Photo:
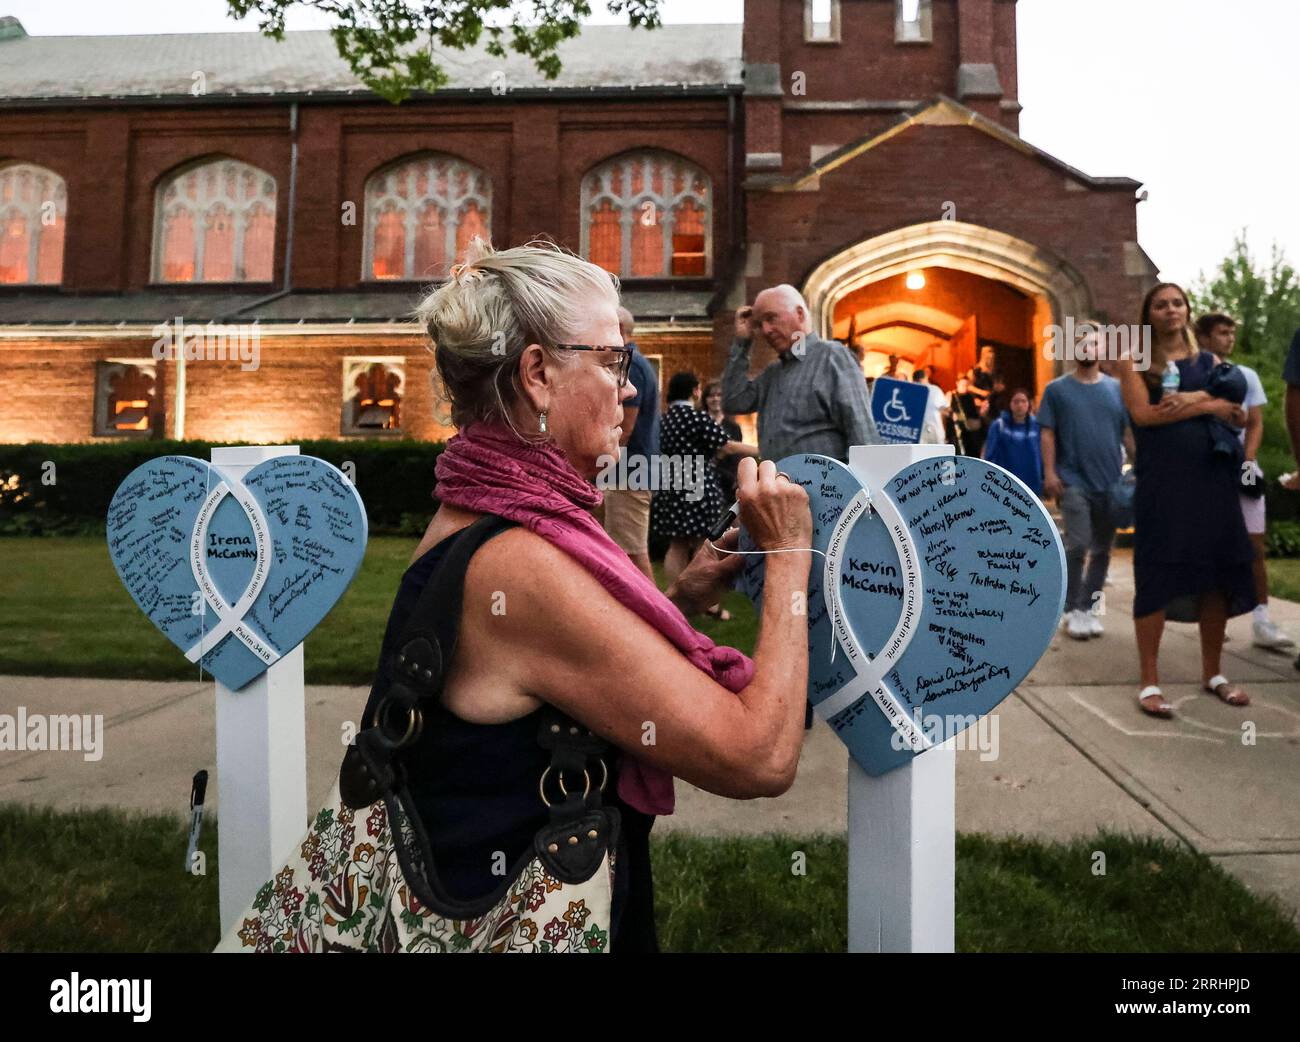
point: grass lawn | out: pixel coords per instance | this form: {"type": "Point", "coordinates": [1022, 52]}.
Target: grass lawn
{"type": "Point", "coordinates": [1284, 578]}
{"type": "Point", "coordinates": [104, 881]}
{"type": "Point", "coordinates": [50, 587]}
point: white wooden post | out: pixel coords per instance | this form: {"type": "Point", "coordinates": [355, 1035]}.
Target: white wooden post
{"type": "Point", "coordinates": [902, 825]}
{"type": "Point", "coordinates": [261, 753]}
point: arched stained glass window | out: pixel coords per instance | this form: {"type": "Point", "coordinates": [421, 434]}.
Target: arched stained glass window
{"type": "Point", "coordinates": [648, 215]}
{"type": "Point", "coordinates": [33, 218]}
{"type": "Point", "coordinates": [215, 222]}
{"type": "Point", "coordinates": [421, 214]}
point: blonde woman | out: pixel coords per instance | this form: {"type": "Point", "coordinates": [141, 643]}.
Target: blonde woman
{"type": "Point", "coordinates": [1191, 557]}
{"type": "Point", "coordinates": [982, 378]}
{"type": "Point", "coordinates": [529, 352]}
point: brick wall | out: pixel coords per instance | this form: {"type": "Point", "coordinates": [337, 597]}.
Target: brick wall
{"type": "Point", "coordinates": [535, 153]}
{"type": "Point", "coordinates": [692, 350]}
{"type": "Point", "coordinates": [113, 161]}
{"type": "Point", "coordinates": [295, 392]}
{"type": "Point", "coordinates": [908, 179]}
{"type": "Point", "coordinates": [868, 64]}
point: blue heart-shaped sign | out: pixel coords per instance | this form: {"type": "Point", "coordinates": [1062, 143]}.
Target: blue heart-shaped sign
{"type": "Point", "coordinates": [236, 573]}
{"type": "Point", "coordinates": [935, 597]}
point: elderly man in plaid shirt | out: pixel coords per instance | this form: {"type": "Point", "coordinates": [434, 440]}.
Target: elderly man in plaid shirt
{"type": "Point", "coordinates": [812, 398]}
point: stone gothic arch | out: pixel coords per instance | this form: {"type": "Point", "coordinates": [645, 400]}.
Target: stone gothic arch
{"type": "Point", "coordinates": [949, 244]}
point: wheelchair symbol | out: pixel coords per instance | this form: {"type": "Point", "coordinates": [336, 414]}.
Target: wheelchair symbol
{"type": "Point", "coordinates": [894, 411]}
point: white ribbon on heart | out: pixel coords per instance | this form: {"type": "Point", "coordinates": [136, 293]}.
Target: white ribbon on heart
{"type": "Point", "coordinates": [869, 674]}
{"type": "Point", "coordinates": [230, 617]}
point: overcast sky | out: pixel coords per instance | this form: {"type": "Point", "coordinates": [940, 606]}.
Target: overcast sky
{"type": "Point", "coordinates": [1195, 98]}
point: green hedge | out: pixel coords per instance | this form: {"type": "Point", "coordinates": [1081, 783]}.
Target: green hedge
{"type": "Point", "coordinates": [1283, 505]}
{"type": "Point", "coordinates": [1283, 520]}
{"type": "Point", "coordinates": [1283, 539]}
{"type": "Point", "coordinates": [395, 479]}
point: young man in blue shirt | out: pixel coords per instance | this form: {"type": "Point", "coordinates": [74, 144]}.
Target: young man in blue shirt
{"type": "Point", "coordinates": [1085, 430]}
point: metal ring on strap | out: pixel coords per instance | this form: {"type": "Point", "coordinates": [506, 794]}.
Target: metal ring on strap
{"type": "Point", "coordinates": [541, 783]}
{"type": "Point", "coordinates": [586, 780]}
{"type": "Point", "coordinates": [414, 722]}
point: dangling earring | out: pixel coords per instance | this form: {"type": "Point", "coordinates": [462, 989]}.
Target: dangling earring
{"type": "Point", "coordinates": [541, 421]}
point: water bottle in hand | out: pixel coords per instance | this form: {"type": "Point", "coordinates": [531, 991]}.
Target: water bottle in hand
{"type": "Point", "coordinates": [1170, 380]}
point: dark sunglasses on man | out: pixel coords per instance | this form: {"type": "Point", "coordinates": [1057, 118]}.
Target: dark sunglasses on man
{"type": "Point", "coordinates": [624, 362]}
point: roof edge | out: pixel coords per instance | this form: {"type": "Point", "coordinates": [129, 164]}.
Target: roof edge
{"type": "Point", "coordinates": [363, 96]}
{"type": "Point", "coordinates": [939, 103]}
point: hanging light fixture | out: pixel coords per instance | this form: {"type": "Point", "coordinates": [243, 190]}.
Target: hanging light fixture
{"type": "Point", "coordinates": [916, 280]}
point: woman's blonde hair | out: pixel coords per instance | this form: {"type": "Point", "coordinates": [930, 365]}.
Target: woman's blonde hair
{"type": "Point", "coordinates": [492, 306]}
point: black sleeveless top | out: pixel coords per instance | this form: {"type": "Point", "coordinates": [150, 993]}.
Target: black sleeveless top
{"type": "Point", "coordinates": [475, 787]}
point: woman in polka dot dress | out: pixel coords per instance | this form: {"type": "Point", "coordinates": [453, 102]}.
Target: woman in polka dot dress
{"type": "Point", "coordinates": [685, 512]}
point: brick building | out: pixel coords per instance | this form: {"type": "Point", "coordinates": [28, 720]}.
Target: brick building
{"type": "Point", "coordinates": [864, 150]}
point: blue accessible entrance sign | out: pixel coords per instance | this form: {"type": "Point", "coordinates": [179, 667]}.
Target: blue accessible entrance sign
{"type": "Point", "coordinates": [898, 407]}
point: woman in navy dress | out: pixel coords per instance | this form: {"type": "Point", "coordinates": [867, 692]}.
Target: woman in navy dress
{"type": "Point", "coordinates": [1191, 556]}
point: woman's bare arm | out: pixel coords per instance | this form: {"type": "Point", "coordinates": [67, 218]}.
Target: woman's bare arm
{"type": "Point", "coordinates": [737, 448]}
{"type": "Point", "coordinates": [1254, 431]}
{"type": "Point", "coordinates": [1202, 403]}
{"type": "Point", "coordinates": [545, 628]}
{"type": "Point", "coordinates": [1172, 408]}
{"type": "Point", "coordinates": [1051, 482]}
{"type": "Point", "coordinates": [566, 640]}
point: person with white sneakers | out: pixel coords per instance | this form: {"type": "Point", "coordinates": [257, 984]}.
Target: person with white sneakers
{"type": "Point", "coordinates": [1217, 334]}
{"type": "Point", "coordinates": [1085, 430]}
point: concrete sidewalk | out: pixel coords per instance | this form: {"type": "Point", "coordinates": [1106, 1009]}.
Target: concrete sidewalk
{"type": "Point", "coordinates": [1073, 753]}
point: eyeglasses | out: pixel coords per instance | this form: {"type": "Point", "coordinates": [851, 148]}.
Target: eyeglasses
{"type": "Point", "coordinates": [624, 362]}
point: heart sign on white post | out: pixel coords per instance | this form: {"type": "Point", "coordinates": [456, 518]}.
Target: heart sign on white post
{"type": "Point", "coordinates": [937, 594]}
{"type": "Point", "coordinates": [234, 572]}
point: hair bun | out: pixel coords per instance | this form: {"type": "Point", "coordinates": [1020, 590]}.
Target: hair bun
{"type": "Point", "coordinates": [466, 271]}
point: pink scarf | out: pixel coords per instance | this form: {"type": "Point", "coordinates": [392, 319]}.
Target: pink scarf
{"type": "Point", "coordinates": [486, 468]}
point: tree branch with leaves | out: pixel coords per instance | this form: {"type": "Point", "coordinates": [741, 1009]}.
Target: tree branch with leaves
{"type": "Point", "coordinates": [1263, 300]}
{"type": "Point", "coordinates": [392, 45]}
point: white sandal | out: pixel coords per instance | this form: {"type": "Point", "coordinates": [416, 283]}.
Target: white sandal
{"type": "Point", "coordinates": [1215, 682]}
{"type": "Point", "coordinates": [1164, 710]}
